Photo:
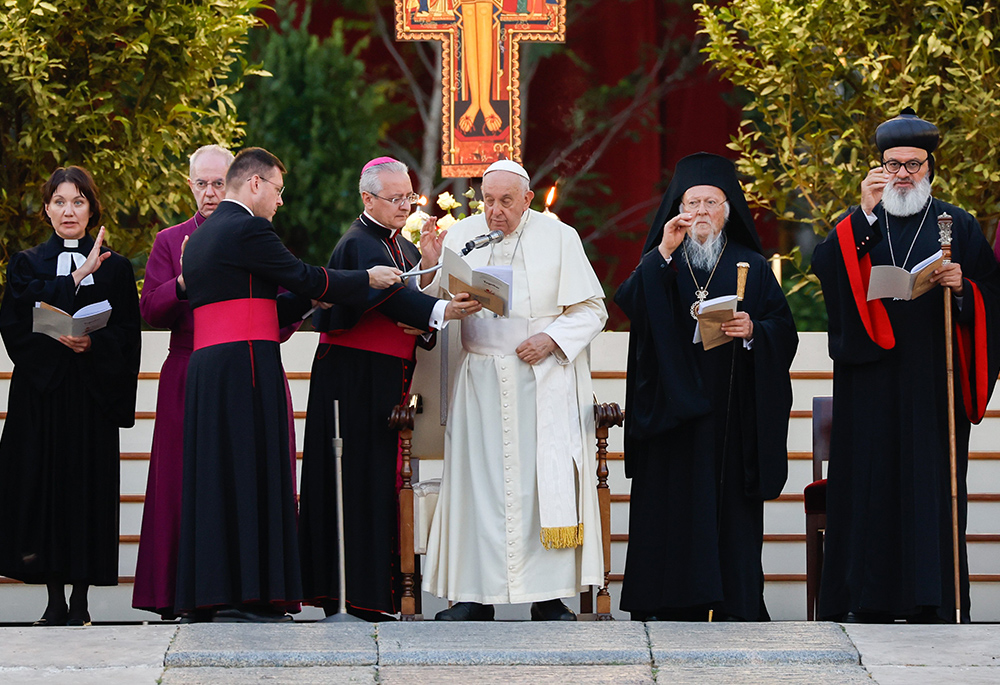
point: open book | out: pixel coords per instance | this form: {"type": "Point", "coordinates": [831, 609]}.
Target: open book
{"type": "Point", "coordinates": [54, 322]}
{"type": "Point", "coordinates": [711, 315]}
{"type": "Point", "coordinates": [491, 285]}
{"type": "Point", "coordinates": [892, 281]}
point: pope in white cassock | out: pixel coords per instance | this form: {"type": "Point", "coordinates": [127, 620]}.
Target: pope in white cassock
{"type": "Point", "coordinates": [517, 519]}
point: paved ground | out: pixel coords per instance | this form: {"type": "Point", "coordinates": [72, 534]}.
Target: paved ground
{"type": "Point", "coordinates": [503, 652]}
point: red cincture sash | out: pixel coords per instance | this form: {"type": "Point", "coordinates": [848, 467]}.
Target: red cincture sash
{"type": "Point", "coordinates": [375, 332]}
{"type": "Point", "coordinates": [973, 365]}
{"type": "Point", "coordinates": [234, 321]}
{"type": "Point", "coordinates": [873, 314]}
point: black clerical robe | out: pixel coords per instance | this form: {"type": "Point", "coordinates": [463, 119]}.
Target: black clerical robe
{"type": "Point", "coordinates": [699, 479]}
{"type": "Point", "coordinates": [889, 532]}
{"type": "Point", "coordinates": [238, 539]}
{"type": "Point", "coordinates": [365, 361]}
{"type": "Point", "coordinates": [59, 450]}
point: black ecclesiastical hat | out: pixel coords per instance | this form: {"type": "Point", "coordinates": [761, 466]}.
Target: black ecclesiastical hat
{"type": "Point", "coordinates": [704, 169]}
{"type": "Point", "coordinates": [907, 130]}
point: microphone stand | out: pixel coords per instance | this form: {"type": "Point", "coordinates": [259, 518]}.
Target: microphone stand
{"type": "Point", "coordinates": [338, 452]}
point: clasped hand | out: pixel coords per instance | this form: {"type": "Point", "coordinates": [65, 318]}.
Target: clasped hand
{"type": "Point", "coordinates": [949, 276]}
{"type": "Point", "coordinates": [740, 326]}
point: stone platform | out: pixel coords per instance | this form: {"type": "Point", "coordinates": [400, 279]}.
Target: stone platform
{"type": "Point", "coordinates": [617, 652]}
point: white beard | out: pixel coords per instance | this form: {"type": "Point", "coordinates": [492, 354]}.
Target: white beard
{"type": "Point", "coordinates": [906, 203]}
{"type": "Point", "coordinates": [703, 256]}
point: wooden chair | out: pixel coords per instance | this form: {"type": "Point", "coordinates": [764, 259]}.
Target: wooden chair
{"type": "Point", "coordinates": [815, 502]}
{"type": "Point", "coordinates": [403, 418]}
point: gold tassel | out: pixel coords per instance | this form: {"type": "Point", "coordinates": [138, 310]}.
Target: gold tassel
{"type": "Point", "coordinates": [562, 537]}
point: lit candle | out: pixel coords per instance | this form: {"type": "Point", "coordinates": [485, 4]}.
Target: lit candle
{"type": "Point", "coordinates": [549, 199]}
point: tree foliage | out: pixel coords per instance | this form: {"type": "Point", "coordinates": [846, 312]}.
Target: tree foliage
{"type": "Point", "coordinates": [822, 74]}
{"type": "Point", "coordinates": [317, 114]}
{"type": "Point", "coordinates": [125, 88]}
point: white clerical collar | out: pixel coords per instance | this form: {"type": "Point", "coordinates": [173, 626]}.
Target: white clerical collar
{"type": "Point", "coordinates": [392, 231]}
{"type": "Point", "coordinates": [70, 243]}
{"type": "Point", "coordinates": [229, 199]}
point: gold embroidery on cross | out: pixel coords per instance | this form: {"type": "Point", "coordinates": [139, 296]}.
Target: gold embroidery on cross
{"type": "Point", "coordinates": [480, 46]}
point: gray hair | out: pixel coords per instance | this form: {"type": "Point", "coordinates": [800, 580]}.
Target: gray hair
{"type": "Point", "coordinates": [218, 149]}
{"type": "Point", "coordinates": [371, 182]}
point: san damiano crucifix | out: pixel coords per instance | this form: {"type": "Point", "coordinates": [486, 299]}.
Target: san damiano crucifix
{"type": "Point", "coordinates": [480, 41]}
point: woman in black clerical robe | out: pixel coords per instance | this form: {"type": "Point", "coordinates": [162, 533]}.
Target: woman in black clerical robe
{"type": "Point", "coordinates": [68, 397]}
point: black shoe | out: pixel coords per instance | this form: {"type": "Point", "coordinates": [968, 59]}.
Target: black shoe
{"type": "Point", "coordinates": [247, 615]}
{"type": "Point", "coordinates": [467, 611]}
{"type": "Point", "coordinates": [78, 618]}
{"type": "Point", "coordinates": [197, 616]}
{"type": "Point", "coordinates": [867, 617]}
{"type": "Point", "coordinates": [551, 610]}
{"type": "Point", "coordinates": [52, 617]}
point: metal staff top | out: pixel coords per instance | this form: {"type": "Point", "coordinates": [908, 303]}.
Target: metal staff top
{"type": "Point", "coordinates": [944, 235]}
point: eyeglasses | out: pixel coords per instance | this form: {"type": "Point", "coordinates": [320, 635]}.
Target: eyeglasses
{"type": "Point", "coordinates": [710, 204]}
{"type": "Point", "coordinates": [281, 189]}
{"type": "Point", "coordinates": [218, 184]}
{"type": "Point", "coordinates": [912, 166]}
{"type": "Point", "coordinates": [412, 198]}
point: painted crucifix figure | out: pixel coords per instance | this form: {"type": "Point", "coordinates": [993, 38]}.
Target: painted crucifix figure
{"type": "Point", "coordinates": [480, 40]}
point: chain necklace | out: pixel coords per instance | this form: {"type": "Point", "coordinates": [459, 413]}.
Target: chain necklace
{"type": "Point", "coordinates": [701, 293]}
{"type": "Point", "coordinates": [888, 237]}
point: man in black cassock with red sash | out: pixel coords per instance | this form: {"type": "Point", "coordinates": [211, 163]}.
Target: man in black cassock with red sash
{"type": "Point", "coordinates": [705, 430]}
{"type": "Point", "coordinates": [889, 529]}
{"type": "Point", "coordinates": [365, 359]}
{"type": "Point", "coordinates": [238, 558]}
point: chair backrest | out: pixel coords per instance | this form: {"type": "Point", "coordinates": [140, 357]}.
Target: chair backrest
{"type": "Point", "coordinates": [822, 423]}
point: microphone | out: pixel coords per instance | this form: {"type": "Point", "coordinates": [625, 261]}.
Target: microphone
{"type": "Point", "coordinates": [482, 241]}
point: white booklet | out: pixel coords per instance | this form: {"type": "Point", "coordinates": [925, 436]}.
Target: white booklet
{"type": "Point", "coordinates": [711, 315]}
{"type": "Point", "coordinates": [54, 322]}
{"type": "Point", "coordinates": [900, 284]}
{"type": "Point", "coordinates": [491, 285]}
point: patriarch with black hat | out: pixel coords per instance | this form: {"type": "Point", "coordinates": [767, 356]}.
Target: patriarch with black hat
{"type": "Point", "coordinates": [705, 428]}
{"type": "Point", "coordinates": [889, 524]}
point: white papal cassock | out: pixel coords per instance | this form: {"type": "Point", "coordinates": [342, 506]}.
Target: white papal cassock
{"type": "Point", "coordinates": [484, 543]}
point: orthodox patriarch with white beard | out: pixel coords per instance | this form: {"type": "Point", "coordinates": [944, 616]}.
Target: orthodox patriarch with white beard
{"type": "Point", "coordinates": [889, 530]}
{"type": "Point", "coordinates": [705, 429]}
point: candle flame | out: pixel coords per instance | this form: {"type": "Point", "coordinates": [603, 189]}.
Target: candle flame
{"type": "Point", "coordinates": [422, 201]}
{"type": "Point", "coordinates": [551, 197]}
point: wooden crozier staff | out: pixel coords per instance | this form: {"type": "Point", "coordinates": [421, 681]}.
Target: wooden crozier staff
{"type": "Point", "coordinates": [944, 237]}
{"type": "Point", "coordinates": [742, 269]}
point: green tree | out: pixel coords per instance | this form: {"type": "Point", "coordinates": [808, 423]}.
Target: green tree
{"type": "Point", "coordinates": [317, 114]}
{"type": "Point", "coordinates": [820, 75]}
{"type": "Point", "coordinates": [126, 90]}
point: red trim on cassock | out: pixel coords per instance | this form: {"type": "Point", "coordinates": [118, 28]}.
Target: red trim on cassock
{"type": "Point", "coordinates": [972, 352]}
{"type": "Point", "coordinates": [252, 318]}
{"type": "Point", "coordinates": [375, 332]}
{"type": "Point", "coordinates": [873, 314]}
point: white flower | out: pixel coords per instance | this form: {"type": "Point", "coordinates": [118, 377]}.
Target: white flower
{"type": "Point", "coordinates": [445, 222]}
{"type": "Point", "coordinates": [447, 202]}
{"type": "Point", "coordinates": [414, 222]}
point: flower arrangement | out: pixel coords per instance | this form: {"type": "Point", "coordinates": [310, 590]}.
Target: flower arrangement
{"type": "Point", "coordinates": [447, 202]}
